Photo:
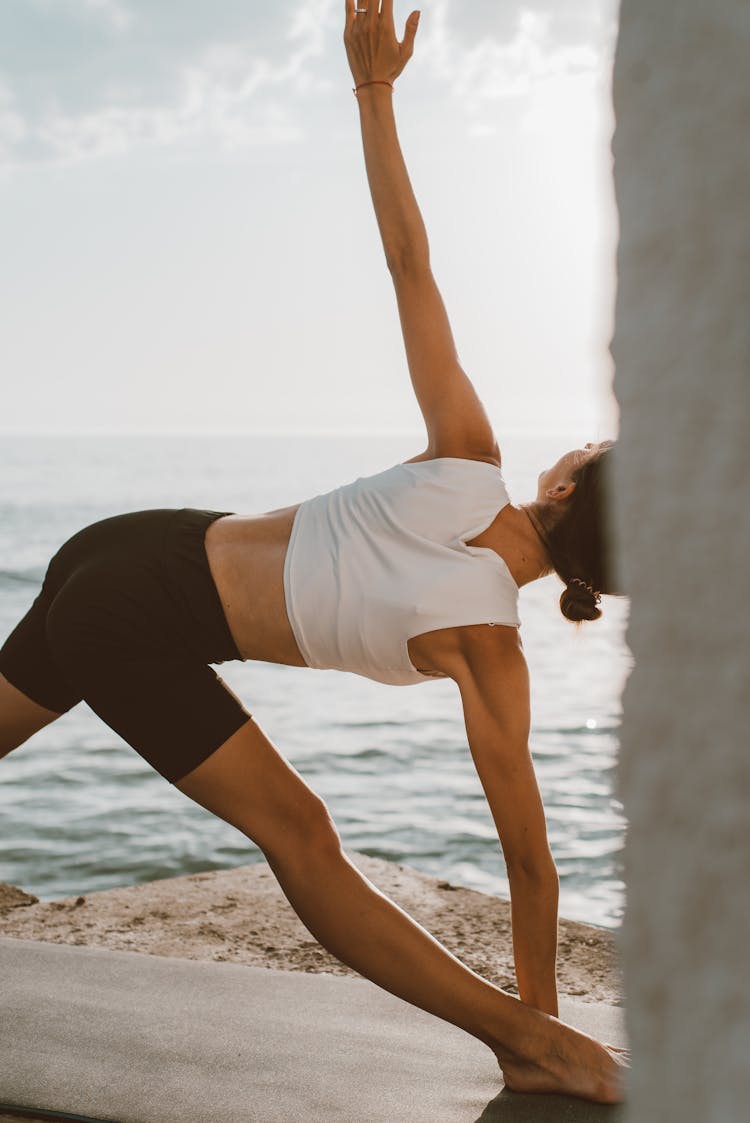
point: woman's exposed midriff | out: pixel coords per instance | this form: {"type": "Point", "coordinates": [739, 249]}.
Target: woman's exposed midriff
{"type": "Point", "coordinates": [246, 555]}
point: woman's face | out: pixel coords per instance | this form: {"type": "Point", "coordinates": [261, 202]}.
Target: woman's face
{"type": "Point", "coordinates": [557, 482]}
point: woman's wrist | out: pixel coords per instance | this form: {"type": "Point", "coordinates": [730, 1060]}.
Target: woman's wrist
{"type": "Point", "coordinates": [373, 84]}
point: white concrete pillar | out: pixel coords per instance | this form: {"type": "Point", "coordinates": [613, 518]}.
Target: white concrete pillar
{"type": "Point", "coordinates": [682, 517]}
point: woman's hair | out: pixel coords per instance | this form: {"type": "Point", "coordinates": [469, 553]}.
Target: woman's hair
{"type": "Point", "coordinates": [580, 541]}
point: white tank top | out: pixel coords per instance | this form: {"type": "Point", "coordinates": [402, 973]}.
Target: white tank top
{"type": "Point", "coordinates": [377, 561]}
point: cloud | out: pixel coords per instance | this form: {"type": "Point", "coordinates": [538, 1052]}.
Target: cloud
{"type": "Point", "coordinates": [119, 16]}
{"type": "Point", "coordinates": [12, 124]}
{"type": "Point", "coordinates": [83, 79]}
{"type": "Point", "coordinates": [515, 51]}
{"type": "Point", "coordinates": [569, 22]}
{"type": "Point", "coordinates": [90, 78]}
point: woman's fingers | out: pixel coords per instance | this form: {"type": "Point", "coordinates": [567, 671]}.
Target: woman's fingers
{"type": "Point", "coordinates": [410, 33]}
{"type": "Point", "coordinates": [351, 13]}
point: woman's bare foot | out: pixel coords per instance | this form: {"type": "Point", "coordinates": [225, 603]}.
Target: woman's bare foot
{"type": "Point", "coordinates": [568, 1062]}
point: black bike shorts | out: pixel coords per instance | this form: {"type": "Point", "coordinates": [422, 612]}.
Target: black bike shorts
{"type": "Point", "coordinates": [127, 620]}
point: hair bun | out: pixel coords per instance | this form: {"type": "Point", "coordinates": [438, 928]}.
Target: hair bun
{"type": "Point", "coordinates": [579, 600]}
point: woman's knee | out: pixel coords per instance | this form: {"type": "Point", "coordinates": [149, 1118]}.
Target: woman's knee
{"type": "Point", "coordinates": [248, 783]}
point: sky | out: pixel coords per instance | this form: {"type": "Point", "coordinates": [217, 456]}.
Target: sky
{"type": "Point", "coordinates": [188, 239]}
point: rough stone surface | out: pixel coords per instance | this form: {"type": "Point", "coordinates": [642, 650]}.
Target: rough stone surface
{"type": "Point", "coordinates": [682, 354]}
{"type": "Point", "coordinates": [11, 897]}
{"type": "Point", "coordinates": [241, 916]}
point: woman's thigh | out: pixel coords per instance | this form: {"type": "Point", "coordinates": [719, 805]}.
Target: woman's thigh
{"type": "Point", "coordinates": [129, 620]}
{"type": "Point", "coordinates": [37, 683]}
{"type": "Point", "coordinates": [20, 716]}
{"type": "Point", "coordinates": [118, 647]}
{"type": "Point", "coordinates": [248, 783]}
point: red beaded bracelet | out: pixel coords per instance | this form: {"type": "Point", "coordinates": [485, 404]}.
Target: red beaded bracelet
{"type": "Point", "coordinates": [375, 82]}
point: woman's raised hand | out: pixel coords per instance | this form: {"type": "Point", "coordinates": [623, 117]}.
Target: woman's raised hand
{"type": "Point", "coordinates": [372, 48]}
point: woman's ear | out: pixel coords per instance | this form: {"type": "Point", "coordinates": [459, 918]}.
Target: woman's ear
{"type": "Point", "coordinates": [561, 490]}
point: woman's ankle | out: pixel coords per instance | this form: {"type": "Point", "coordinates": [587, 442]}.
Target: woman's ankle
{"type": "Point", "coordinates": [521, 1034]}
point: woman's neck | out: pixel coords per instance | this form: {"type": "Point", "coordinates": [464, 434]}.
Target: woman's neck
{"type": "Point", "coordinates": [515, 537]}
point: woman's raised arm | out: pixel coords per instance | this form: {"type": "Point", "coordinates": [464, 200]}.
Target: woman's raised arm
{"type": "Point", "coordinates": [375, 55]}
{"type": "Point", "coordinates": [455, 418]}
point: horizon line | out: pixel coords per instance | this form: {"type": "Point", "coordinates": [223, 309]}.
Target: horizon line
{"type": "Point", "coordinates": [524, 432]}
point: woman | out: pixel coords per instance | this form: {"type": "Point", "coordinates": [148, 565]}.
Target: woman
{"type": "Point", "coordinates": [403, 576]}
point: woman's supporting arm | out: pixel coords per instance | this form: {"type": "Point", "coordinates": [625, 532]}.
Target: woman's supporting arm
{"type": "Point", "coordinates": [493, 680]}
{"type": "Point", "coordinates": [533, 910]}
{"type": "Point", "coordinates": [401, 225]}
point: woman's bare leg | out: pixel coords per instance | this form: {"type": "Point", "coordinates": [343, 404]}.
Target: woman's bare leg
{"type": "Point", "coordinates": [249, 784]}
{"type": "Point", "coordinates": [20, 717]}
{"type": "Point", "coordinates": [363, 928]}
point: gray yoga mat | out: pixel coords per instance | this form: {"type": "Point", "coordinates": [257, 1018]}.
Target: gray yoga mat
{"type": "Point", "coordinates": [139, 1038]}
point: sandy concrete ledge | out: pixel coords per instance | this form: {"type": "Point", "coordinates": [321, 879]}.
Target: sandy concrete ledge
{"type": "Point", "coordinates": [241, 916]}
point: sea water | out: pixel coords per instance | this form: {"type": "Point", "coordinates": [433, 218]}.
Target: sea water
{"type": "Point", "coordinates": [81, 811]}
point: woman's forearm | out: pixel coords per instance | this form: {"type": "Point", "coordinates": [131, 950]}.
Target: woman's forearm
{"type": "Point", "coordinates": [534, 924]}
{"type": "Point", "coordinates": [401, 226]}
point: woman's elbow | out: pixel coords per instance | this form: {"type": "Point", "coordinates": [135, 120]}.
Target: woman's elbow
{"type": "Point", "coordinates": [537, 872]}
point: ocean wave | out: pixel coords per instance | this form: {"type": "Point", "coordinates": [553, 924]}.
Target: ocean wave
{"type": "Point", "coordinates": [24, 577]}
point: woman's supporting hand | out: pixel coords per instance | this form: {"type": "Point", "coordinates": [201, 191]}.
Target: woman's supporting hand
{"type": "Point", "coordinates": [372, 48]}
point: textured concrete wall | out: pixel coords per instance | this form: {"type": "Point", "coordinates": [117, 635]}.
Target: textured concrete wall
{"type": "Point", "coordinates": [682, 517]}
